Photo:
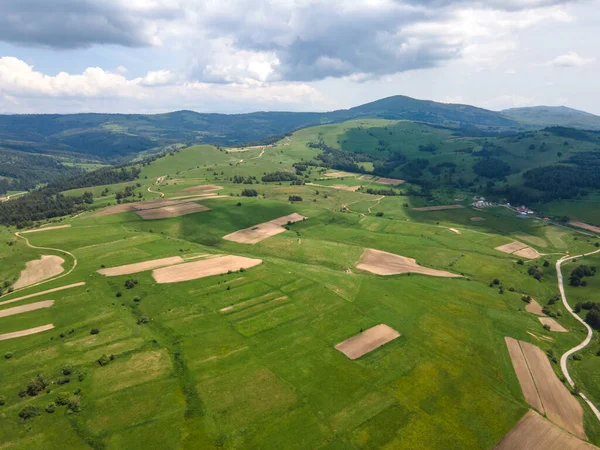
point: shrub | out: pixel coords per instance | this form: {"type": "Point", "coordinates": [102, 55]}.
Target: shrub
{"type": "Point", "coordinates": [67, 370]}
{"type": "Point", "coordinates": [103, 360]}
{"type": "Point", "coordinates": [8, 355]}
{"type": "Point", "coordinates": [119, 294]}
{"type": "Point", "coordinates": [37, 385]}
{"type": "Point", "coordinates": [143, 319]}
{"type": "Point", "coordinates": [28, 412]}
{"type": "Point", "coordinates": [526, 298]}
{"type": "Point", "coordinates": [520, 262]}
{"type": "Point", "coordinates": [3, 400]}
{"type": "Point", "coordinates": [496, 281]}
{"type": "Point", "coordinates": [295, 198]}
{"type": "Point", "coordinates": [130, 284]}
{"type": "Point", "coordinates": [379, 214]}
{"type": "Point", "coordinates": [249, 193]}
{"type": "Point", "coordinates": [63, 380]}
{"type": "Point", "coordinates": [62, 398]}
{"type": "Point", "coordinates": [137, 299]}
{"type": "Point", "coordinates": [74, 403]}
{"type": "Point", "coordinates": [577, 357]}
{"type": "Point", "coordinates": [238, 204]}
{"type": "Point", "coordinates": [94, 331]}
{"type": "Point", "coordinates": [547, 327]}
{"type": "Point", "coordinates": [50, 408]}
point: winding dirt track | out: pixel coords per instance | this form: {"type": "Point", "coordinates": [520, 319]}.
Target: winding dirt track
{"type": "Point", "coordinates": [158, 181]}
{"type": "Point", "coordinates": [564, 358]}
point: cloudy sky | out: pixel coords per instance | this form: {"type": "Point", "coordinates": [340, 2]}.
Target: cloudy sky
{"type": "Point", "coordinates": [302, 55]}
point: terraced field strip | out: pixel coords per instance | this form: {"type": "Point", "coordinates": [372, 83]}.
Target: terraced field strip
{"type": "Point", "coordinates": [203, 268]}
{"type": "Point", "coordinates": [17, 334]}
{"type": "Point", "coordinates": [530, 392]}
{"type": "Point", "coordinates": [553, 324]}
{"type": "Point", "coordinates": [128, 269]}
{"type": "Point", "coordinates": [585, 226]}
{"type": "Point", "coordinates": [384, 263]}
{"type": "Point", "coordinates": [367, 341]}
{"type": "Point", "coordinates": [390, 181]}
{"type": "Point", "coordinates": [519, 249]}
{"type": "Point", "coordinates": [37, 294]}
{"type": "Point", "coordinates": [26, 308]}
{"type": "Point", "coordinates": [58, 227]}
{"type": "Point", "coordinates": [172, 211]}
{"type": "Point", "coordinates": [533, 432]}
{"type": "Point", "coordinates": [262, 231]}
{"type": "Point", "coordinates": [534, 307]}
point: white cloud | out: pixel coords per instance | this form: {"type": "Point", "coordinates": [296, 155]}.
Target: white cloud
{"type": "Point", "coordinates": [570, 59]}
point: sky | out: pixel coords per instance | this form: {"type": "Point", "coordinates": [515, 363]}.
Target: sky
{"type": "Point", "coordinates": [235, 56]}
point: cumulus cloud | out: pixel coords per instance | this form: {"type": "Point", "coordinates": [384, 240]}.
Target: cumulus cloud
{"type": "Point", "coordinates": [80, 23]}
{"type": "Point", "coordinates": [570, 59]}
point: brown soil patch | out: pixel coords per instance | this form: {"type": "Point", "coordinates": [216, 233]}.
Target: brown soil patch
{"type": "Point", "coordinates": [198, 196]}
{"type": "Point", "coordinates": [58, 227]}
{"type": "Point", "coordinates": [26, 308]}
{"type": "Point", "coordinates": [49, 291]}
{"type": "Point", "coordinates": [139, 206]}
{"type": "Point", "coordinates": [533, 432]}
{"type": "Point", "coordinates": [454, 230]}
{"type": "Point", "coordinates": [140, 267]}
{"type": "Point", "coordinates": [262, 231]}
{"type": "Point", "coordinates": [339, 174]}
{"type": "Point", "coordinates": [384, 263]}
{"type": "Point", "coordinates": [553, 324]}
{"type": "Point", "coordinates": [203, 188]}
{"type": "Point", "coordinates": [16, 334]}
{"type": "Point", "coordinates": [512, 247]}
{"type": "Point", "coordinates": [392, 181]}
{"type": "Point", "coordinates": [166, 212]}
{"type": "Point", "coordinates": [559, 405]}
{"type": "Point", "coordinates": [528, 252]}
{"type": "Point", "coordinates": [341, 187]}
{"type": "Point", "coordinates": [367, 341]}
{"type": "Point", "coordinates": [585, 226]}
{"type": "Point", "coordinates": [203, 268]}
{"type": "Point", "coordinates": [40, 269]}
{"type": "Point", "coordinates": [477, 219]}
{"type": "Point", "coordinates": [438, 208]}
{"type": "Point", "coordinates": [523, 375]}
{"type": "Point", "coordinates": [534, 307]}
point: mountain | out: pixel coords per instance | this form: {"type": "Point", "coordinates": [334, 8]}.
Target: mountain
{"type": "Point", "coordinates": [544, 116]}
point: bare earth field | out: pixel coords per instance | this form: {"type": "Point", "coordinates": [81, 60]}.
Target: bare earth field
{"type": "Point", "coordinates": [367, 341]}
{"type": "Point", "coordinates": [533, 432]}
{"type": "Point", "coordinates": [172, 211]}
{"type": "Point", "coordinates": [438, 208]}
{"type": "Point", "coordinates": [262, 231]}
{"type": "Point", "coordinates": [140, 267]}
{"type": "Point", "coordinates": [477, 219]}
{"type": "Point", "coordinates": [39, 270]}
{"type": "Point", "coordinates": [37, 294]}
{"type": "Point", "coordinates": [534, 307]}
{"type": "Point", "coordinates": [203, 268]}
{"type": "Point", "coordinates": [58, 227]}
{"type": "Point", "coordinates": [523, 375]}
{"type": "Point", "coordinates": [198, 196]}
{"type": "Point", "coordinates": [16, 334]}
{"type": "Point", "coordinates": [585, 226]}
{"type": "Point", "coordinates": [339, 174]}
{"type": "Point", "coordinates": [519, 249]}
{"type": "Point", "coordinates": [553, 324]}
{"type": "Point", "coordinates": [337, 186]}
{"type": "Point", "coordinates": [384, 263]}
{"type": "Point", "coordinates": [391, 181]}
{"type": "Point", "coordinates": [454, 230]}
{"type": "Point", "coordinates": [557, 402]}
{"type": "Point", "coordinates": [139, 206]}
{"type": "Point", "coordinates": [26, 308]}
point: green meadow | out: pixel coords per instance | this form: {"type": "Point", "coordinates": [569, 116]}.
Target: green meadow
{"type": "Point", "coordinates": [246, 359]}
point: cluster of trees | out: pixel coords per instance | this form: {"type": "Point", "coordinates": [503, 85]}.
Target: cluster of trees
{"type": "Point", "coordinates": [536, 272]}
{"type": "Point", "coordinates": [295, 198]}
{"type": "Point", "coordinates": [279, 176]}
{"type": "Point", "coordinates": [431, 148]}
{"type": "Point", "coordinates": [593, 315]}
{"type": "Point", "coordinates": [238, 179]}
{"type": "Point", "coordinates": [98, 177]}
{"type": "Point", "coordinates": [490, 167]}
{"type": "Point", "coordinates": [249, 193]}
{"type": "Point", "coordinates": [126, 193]}
{"type": "Point", "coordinates": [388, 192]}
{"type": "Point", "coordinates": [575, 279]}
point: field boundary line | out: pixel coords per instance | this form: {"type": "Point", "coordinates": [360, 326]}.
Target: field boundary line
{"type": "Point", "coordinates": [564, 358]}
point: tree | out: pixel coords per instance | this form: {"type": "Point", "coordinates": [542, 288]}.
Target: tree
{"type": "Point", "coordinates": [249, 193]}
{"type": "Point", "coordinates": [295, 198]}
{"type": "Point", "coordinates": [593, 318]}
{"type": "Point", "coordinates": [37, 385]}
{"type": "Point", "coordinates": [28, 412]}
{"type": "Point", "coordinates": [94, 331]}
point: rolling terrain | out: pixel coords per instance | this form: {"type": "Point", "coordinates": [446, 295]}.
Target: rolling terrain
{"type": "Point", "coordinates": [248, 358]}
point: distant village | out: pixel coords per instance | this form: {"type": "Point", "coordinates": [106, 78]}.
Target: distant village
{"type": "Point", "coordinates": [480, 202]}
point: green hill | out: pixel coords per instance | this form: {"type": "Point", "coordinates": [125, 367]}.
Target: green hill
{"type": "Point", "coordinates": [547, 116]}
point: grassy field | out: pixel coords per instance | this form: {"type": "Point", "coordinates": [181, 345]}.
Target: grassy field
{"type": "Point", "coordinates": [264, 373]}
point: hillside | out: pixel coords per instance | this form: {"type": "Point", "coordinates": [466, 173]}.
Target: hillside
{"type": "Point", "coordinates": [547, 116]}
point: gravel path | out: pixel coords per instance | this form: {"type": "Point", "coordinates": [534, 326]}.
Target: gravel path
{"type": "Point", "coordinates": [158, 181]}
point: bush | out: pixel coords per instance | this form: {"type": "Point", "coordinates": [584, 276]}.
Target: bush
{"type": "Point", "coordinates": [295, 198]}
{"type": "Point", "coordinates": [50, 408]}
{"type": "Point", "coordinates": [547, 327]}
{"type": "Point", "coordinates": [103, 360]}
{"type": "Point", "coordinates": [119, 294]}
{"type": "Point", "coordinates": [94, 331]}
{"type": "Point", "coordinates": [62, 398]}
{"type": "Point", "coordinates": [249, 193]}
{"type": "Point", "coordinates": [130, 284]}
{"type": "Point", "coordinates": [379, 214]}
{"type": "Point", "coordinates": [143, 319]}
{"type": "Point", "coordinates": [520, 262]}
{"type": "Point", "coordinates": [577, 357]}
{"type": "Point", "coordinates": [37, 385]}
{"type": "Point", "coordinates": [63, 380]}
{"type": "Point", "coordinates": [137, 299]}
{"type": "Point", "coordinates": [526, 298]}
{"type": "Point", "coordinates": [29, 412]}
{"type": "Point", "coordinates": [3, 400]}
{"type": "Point", "coordinates": [8, 355]}
{"type": "Point", "coordinates": [74, 404]}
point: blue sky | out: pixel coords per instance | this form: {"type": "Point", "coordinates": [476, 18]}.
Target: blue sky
{"type": "Point", "coordinates": [302, 55]}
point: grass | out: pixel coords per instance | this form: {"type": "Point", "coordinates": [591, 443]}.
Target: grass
{"type": "Point", "coordinates": [265, 374]}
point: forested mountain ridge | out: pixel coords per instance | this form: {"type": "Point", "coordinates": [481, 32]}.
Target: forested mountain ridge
{"type": "Point", "coordinates": [546, 116]}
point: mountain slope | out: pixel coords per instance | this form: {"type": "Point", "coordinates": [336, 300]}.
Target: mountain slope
{"type": "Point", "coordinates": [544, 116]}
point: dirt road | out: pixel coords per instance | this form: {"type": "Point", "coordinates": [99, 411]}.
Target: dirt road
{"type": "Point", "coordinates": [565, 357]}
{"type": "Point", "coordinates": [158, 181]}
